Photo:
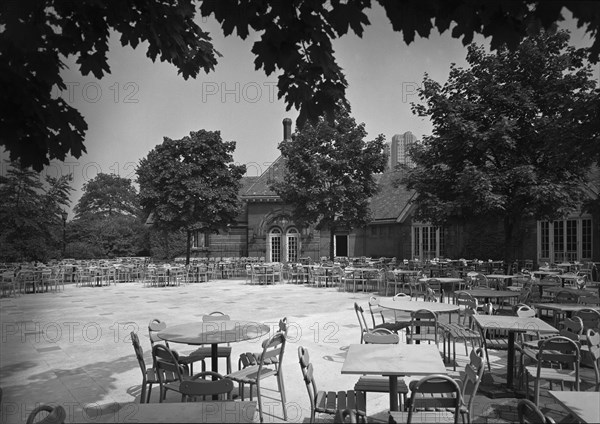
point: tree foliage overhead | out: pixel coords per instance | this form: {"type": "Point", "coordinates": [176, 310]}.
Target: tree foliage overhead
{"type": "Point", "coordinates": [511, 136]}
{"type": "Point", "coordinates": [107, 195]}
{"type": "Point", "coordinates": [329, 173]}
{"type": "Point", "coordinates": [295, 41]}
{"type": "Point", "coordinates": [30, 214]}
{"type": "Point", "coordinates": [191, 183]}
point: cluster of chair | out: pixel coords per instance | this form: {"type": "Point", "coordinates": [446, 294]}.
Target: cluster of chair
{"type": "Point", "coordinates": [22, 279]}
{"type": "Point", "coordinates": [173, 371]}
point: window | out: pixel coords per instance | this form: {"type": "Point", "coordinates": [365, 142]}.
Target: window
{"type": "Point", "coordinates": [427, 242]}
{"type": "Point", "coordinates": [292, 245]}
{"type": "Point", "coordinates": [565, 240]}
{"type": "Point", "coordinates": [274, 245]}
{"type": "Point", "coordinates": [199, 239]}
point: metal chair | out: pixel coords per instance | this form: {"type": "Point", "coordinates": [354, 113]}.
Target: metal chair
{"type": "Point", "coordinates": [328, 402]}
{"type": "Point", "coordinates": [198, 386]}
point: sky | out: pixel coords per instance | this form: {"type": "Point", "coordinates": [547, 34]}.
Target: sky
{"type": "Point", "coordinates": [130, 110]}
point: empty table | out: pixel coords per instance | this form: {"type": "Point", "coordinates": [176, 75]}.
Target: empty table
{"type": "Point", "coordinates": [584, 405]}
{"type": "Point", "coordinates": [213, 333]}
{"type": "Point", "coordinates": [512, 325]}
{"type": "Point", "coordinates": [413, 306]}
{"type": "Point", "coordinates": [393, 361]}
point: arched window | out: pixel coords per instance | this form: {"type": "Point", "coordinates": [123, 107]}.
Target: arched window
{"type": "Point", "coordinates": [274, 245]}
{"type": "Point", "coordinates": [292, 245]}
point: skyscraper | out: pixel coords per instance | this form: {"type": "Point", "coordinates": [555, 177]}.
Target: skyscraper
{"type": "Point", "coordinates": [399, 149]}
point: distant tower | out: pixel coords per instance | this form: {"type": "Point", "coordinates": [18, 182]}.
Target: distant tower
{"type": "Point", "coordinates": [399, 149]}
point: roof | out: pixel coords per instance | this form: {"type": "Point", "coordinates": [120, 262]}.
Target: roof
{"type": "Point", "coordinates": [259, 189]}
{"type": "Point", "coordinates": [391, 203]}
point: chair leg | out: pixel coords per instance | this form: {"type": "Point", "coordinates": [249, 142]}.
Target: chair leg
{"type": "Point", "coordinates": [258, 400]}
{"type": "Point", "coordinates": [149, 392]}
{"type": "Point", "coordinates": [143, 394]}
{"type": "Point", "coordinates": [282, 391]}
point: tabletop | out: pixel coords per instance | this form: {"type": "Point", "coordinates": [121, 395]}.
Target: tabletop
{"type": "Point", "coordinates": [584, 405]}
{"type": "Point", "coordinates": [565, 307]}
{"type": "Point", "coordinates": [411, 306]}
{"type": "Point", "coordinates": [500, 276]}
{"type": "Point", "coordinates": [187, 412]}
{"type": "Point", "coordinates": [442, 279]}
{"type": "Point", "coordinates": [213, 332]}
{"type": "Point", "coordinates": [394, 359]}
{"type": "Point", "coordinates": [516, 324]}
{"type": "Point", "coordinates": [490, 293]}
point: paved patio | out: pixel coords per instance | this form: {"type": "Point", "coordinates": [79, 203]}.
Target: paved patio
{"type": "Point", "coordinates": [73, 348]}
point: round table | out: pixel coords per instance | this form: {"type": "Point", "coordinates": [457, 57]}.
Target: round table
{"type": "Point", "coordinates": [490, 293]}
{"type": "Point", "coordinates": [412, 306]}
{"type": "Point", "coordinates": [213, 333]}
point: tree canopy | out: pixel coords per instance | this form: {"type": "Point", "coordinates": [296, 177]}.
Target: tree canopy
{"type": "Point", "coordinates": [107, 195]}
{"type": "Point", "coordinates": [329, 173]}
{"type": "Point", "coordinates": [191, 184]}
{"type": "Point", "coordinates": [511, 136]}
{"type": "Point", "coordinates": [295, 42]}
{"type": "Point", "coordinates": [30, 214]}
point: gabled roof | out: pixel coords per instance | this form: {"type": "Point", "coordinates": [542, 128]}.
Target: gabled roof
{"type": "Point", "coordinates": [259, 190]}
{"type": "Point", "coordinates": [391, 204]}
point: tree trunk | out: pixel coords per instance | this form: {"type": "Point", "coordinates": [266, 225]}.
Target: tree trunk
{"type": "Point", "coordinates": [331, 241]}
{"type": "Point", "coordinates": [188, 248]}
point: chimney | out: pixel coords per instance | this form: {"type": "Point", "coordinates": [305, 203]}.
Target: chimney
{"type": "Point", "coordinates": [287, 129]}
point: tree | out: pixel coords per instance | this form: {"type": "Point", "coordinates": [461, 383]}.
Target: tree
{"type": "Point", "coordinates": [511, 136]}
{"type": "Point", "coordinates": [329, 174]}
{"type": "Point", "coordinates": [108, 221]}
{"type": "Point", "coordinates": [191, 184]}
{"type": "Point", "coordinates": [30, 214]}
{"type": "Point", "coordinates": [296, 42]}
{"type": "Point", "coordinates": [106, 195]}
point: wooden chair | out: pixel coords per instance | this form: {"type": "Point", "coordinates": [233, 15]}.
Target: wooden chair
{"type": "Point", "coordinates": [592, 351]}
{"type": "Point", "coordinates": [423, 327]}
{"type": "Point", "coordinates": [463, 331]}
{"type": "Point", "coordinates": [528, 412]}
{"type": "Point", "coordinates": [433, 391]}
{"type": "Point", "coordinates": [328, 402]}
{"type": "Point", "coordinates": [205, 353]}
{"type": "Point", "coordinates": [561, 351]}
{"type": "Point", "coordinates": [155, 325]}
{"type": "Point", "coordinates": [273, 350]}
{"type": "Point", "coordinates": [56, 415]}
{"type": "Point", "coordinates": [248, 359]}
{"type": "Point", "coordinates": [149, 375]}
{"type": "Point", "coordinates": [394, 327]}
{"type": "Point", "coordinates": [166, 364]}
{"type": "Point", "coordinates": [470, 382]}
{"type": "Point", "coordinates": [380, 384]}
{"type": "Point", "coordinates": [198, 385]}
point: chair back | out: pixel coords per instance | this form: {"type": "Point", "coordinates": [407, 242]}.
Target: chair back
{"type": "Point", "coordinates": [215, 316]}
{"type": "Point", "coordinates": [572, 325]}
{"type": "Point", "coordinates": [589, 317]}
{"type": "Point", "coordinates": [472, 378]}
{"type": "Point", "coordinates": [139, 352]}
{"type": "Point", "coordinates": [272, 353]}
{"type": "Point", "coordinates": [361, 320]}
{"type": "Point", "coordinates": [565, 296]}
{"type": "Point", "coordinates": [199, 385]}
{"type": "Point", "coordinates": [437, 384]}
{"type": "Point", "coordinates": [166, 363]}
{"type": "Point", "coordinates": [526, 311]}
{"type": "Point", "coordinates": [381, 336]}
{"type": "Point", "coordinates": [154, 326]}
{"type": "Point", "coordinates": [467, 306]}
{"type": "Point", "coordinates": [528, 412]}
{"type": "Point", "coordinates": [308, 373]}
{"type": "Point", "coordinates": [56, 415]}
{"type": "Point", "coordinates": [427, 323]}
{"type": "Point", "coordinates": [559, 350]}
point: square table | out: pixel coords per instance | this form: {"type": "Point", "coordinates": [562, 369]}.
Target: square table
{"type": "Point", "coordinates": [393, 361]}
{"type": "Point", "coordinates": [166, 412]}
{"type": "Point", "coordinates": [513, 325]}
{"type": "Point", "coordinates": [584, 405]}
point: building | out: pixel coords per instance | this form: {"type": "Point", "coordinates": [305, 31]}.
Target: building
{"type": "Point", "coordinates": [398, 149]}
{"type": "Point", "coordinates": [266, 228]}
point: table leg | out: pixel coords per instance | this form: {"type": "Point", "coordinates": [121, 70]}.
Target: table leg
{"type": "Point", "coordinates": [393, 393]}
{"type": "Point", "coordinates": [511, 359]}
{"type": "Point", "coordinates": [214, 358]}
